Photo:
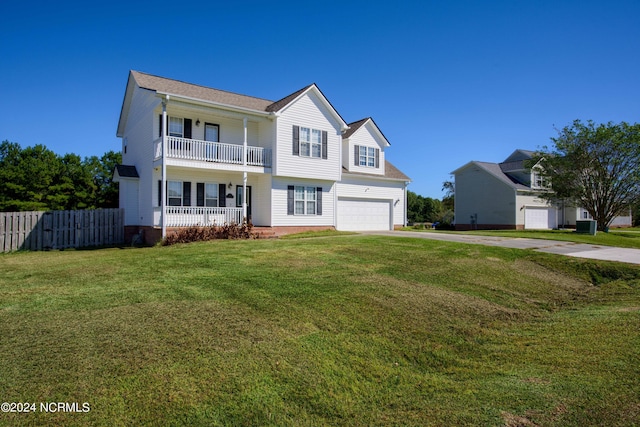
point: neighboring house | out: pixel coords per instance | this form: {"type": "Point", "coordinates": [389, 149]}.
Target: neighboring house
{"type": "Point", "coordinates": [506, 196]}
{"type": "Point", "coordinates": [190, 154]}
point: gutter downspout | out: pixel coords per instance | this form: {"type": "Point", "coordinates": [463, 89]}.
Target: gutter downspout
{"type": "Point", "coordinates": [163, 178]}
{"type": "Point", "coordinates": [244, 173]}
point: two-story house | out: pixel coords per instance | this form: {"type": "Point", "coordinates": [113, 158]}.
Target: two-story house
{"type": "Point", "coordinates": [507, 196]}
{"type": "Point", "coordinates": [194, 155]}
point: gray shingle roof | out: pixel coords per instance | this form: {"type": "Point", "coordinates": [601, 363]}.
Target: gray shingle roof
{"type": "Point", "coordinates": [176, 87]}
{"type": "Point", "coordinates": [127, 171]}
{"type": "Point", "coordinates": [390, 172]}
{"type": "Point", "coordinates": [495, 170]}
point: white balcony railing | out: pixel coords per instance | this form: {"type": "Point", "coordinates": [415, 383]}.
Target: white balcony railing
{"type": "Point", "coordinates": [193, 149]}
{"type": "Point", "coordinates": [184, 216]}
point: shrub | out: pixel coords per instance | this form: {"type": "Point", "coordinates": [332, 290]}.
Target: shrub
{"type": "Point", "coordinates": [201, 234]}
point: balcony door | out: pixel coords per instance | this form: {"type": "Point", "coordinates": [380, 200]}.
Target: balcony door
{"type": "Point", "coordinates": [211, 134]}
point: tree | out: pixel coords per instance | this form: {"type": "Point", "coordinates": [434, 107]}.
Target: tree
{"type": "Point", "coordinates": [597, 167]}
{"type": "Point", "coordinates": [35, 178]}
{"type": "Point", "coordinates": [449, 187]}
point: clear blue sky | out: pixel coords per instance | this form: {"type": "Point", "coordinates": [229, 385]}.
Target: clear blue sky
{"type": "Point", "coordinates": [446, 81]}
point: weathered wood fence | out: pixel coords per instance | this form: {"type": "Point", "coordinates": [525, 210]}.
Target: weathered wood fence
{"type": "Point", "coordinates": [37, 231]}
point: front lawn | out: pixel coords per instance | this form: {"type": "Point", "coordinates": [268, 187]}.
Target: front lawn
{"type": "Point", "coordinates": [350, 330]}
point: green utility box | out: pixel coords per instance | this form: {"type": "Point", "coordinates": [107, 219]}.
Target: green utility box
{"type": "Point", "coordinates": [587, 227]}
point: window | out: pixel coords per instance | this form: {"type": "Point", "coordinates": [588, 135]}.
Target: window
{"type": "Point", "coordinates": [309, 142]}
{"type": "Point", "coordinates": [367, 156]}
{"type": "Point", "coordinates": [305, 200]}
{"type": "Point", "coordinates": [211, 195]}
{"type": "Point", "coordinates": [537, 180]}
{"type": "Point", "coordinates": [174, 193]}
{"type": "Point", "coordinates": [176, 127]}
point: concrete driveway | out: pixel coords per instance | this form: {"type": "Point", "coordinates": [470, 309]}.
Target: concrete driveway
{"type": "Point", "coordinates": [580, 250]}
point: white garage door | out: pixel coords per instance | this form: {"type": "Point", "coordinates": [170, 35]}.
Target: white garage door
{"type": "Point", "coordinates": [361, 215]}
{"type": "Point", "coordinates": [540, 218]}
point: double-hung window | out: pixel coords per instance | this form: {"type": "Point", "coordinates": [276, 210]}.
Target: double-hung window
{"type": "Point", "coordinates": [305, 200]}
{"type": "Point", "coordinates": [174, 193]}
{"type": "Point", "coordinates": [367, 156]}
{"type": "Point", "coordinates": [211, 195]}
{"type": "Point", "coordinates": [176, 127]}
{"type": "Point", "coordinates": [308, 142]}
{"type": "Point", "coordinates": [537, 180]}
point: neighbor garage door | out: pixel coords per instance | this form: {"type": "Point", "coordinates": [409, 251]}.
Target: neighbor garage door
{"type": "Point", "coordinates": [540, 218]}
{"type": "Point", "coordinates": [361, 215]}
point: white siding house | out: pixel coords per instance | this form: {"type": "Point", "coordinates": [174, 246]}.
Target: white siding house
{"type": "Point", "coordinates": [190, 154]}
{"type": "Point", "coordinates": [507, 196]}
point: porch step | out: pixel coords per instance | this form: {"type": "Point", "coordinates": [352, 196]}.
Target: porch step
{"type": "Point", "coordinates": [265, 232]}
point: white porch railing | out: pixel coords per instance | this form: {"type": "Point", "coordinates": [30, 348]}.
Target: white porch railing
{"type": "Point", "coordinates": [185, 216]}
{"type": "Point", "coordinates": [194, 149]}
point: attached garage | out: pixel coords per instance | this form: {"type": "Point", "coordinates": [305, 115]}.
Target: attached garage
{"type": "Point", "coordinates": [364, 214]}
{"type": "Point", "coordinates": [540, 218]}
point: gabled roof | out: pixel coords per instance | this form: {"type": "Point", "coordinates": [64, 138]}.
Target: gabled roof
{"type": "Point", "coordinates": [519, 155]}
{"type": "Point", "coordinates": [176, 87]}
{"type": "Point", "coordinates": [355, 126]}
{"type": "Point", "coordinates": [495, 170]}
{"type": "Point", "coordinates": [390, 172]}
{"type": "Point", "coordinates": [282, 104]}
{"type": "Point", "coordinates": [165, 86]}
{"type": "Point", "coordinates": [278, 105]}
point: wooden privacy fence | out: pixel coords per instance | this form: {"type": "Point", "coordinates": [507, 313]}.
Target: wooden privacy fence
{"type": "Point", "coordinates": [37, 231]}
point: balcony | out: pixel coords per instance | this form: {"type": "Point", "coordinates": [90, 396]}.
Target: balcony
{"type": "Point", "coordinates": [214, 152]}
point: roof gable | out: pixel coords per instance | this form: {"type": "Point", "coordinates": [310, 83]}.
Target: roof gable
{"type": "Point", "coordinates": [494, 170]}
{"type": "Point", "coordinates": [371, 126]}
{"type": "Point", "coordinates": [286, 102]}
{"type": "Point", "coordinates": [519, 155]}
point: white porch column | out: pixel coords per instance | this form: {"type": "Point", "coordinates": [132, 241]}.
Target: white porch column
{"type": "Point", "coordinates": [163, 178]}
{"type": "Point", "coordinates": [244, 172]}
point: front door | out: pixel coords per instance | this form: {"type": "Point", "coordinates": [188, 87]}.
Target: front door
{"type": "Point", "coordinates": [239, 199]}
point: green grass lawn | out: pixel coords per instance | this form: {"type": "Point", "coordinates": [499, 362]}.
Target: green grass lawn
{"type": "Point", "coordinates": [343, 330]}
{"type": "Point", "coordinates": [624, 238]}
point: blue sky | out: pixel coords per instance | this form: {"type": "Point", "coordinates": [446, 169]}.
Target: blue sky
{"type": "Point", "coordinates": [446, 81]}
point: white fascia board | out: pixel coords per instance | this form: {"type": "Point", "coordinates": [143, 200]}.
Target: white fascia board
{"type": "Point", "coordinates": [205, 103]}
{"type": "Point", "coordinates": [375, 177]}
{"type": "Point", "coordinates": [325, 101]}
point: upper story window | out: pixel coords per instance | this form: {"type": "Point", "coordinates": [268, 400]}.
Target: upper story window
{"type": "Point", "coordinates": [309, 142]}
{"type": "Point", "coordinates": [176, 127]}
{"type": "Point", "coordinates": [367, 156]}
{"type": "Point", "coordinates": [538, 180]}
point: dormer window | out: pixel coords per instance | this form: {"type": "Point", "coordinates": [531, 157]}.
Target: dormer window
{"type": "Point", "coordinates": [367, 156]}
{"type": "Point", "coordinates": [538, 180]}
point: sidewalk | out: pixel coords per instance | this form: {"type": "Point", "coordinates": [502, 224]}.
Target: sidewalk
{"type": "Point", "coordinates": [580, 250]}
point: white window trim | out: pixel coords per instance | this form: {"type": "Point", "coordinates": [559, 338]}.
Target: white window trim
{"type": "Point", "coordinates": [169, 197]}
{"type": "Point", "coordinates": [310, 142]}
{"type": "Point", "coordinates": [369, 156]}
{"type": "Point", "coordinates": [177, 134]}
{"type": "Point", "coordinates": [306, 200]}
{"type": "Point", "coordinates": [217, 199]}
